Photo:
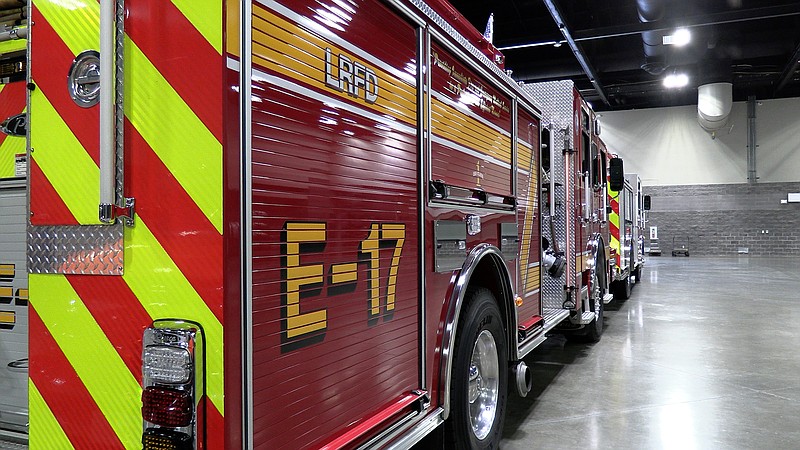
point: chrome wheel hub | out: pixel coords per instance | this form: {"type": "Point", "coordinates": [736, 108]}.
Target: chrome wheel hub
{"type": "Point", "coordinates": [484, 382]}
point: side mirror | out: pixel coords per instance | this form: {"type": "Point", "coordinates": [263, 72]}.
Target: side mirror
{"type": "Point", "coordinates": [616, 174]}
{"type": "Point", "coordinates": [647, 203]}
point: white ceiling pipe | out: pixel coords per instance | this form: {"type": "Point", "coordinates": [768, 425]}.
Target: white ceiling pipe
{"type": "Point", "coordinates": [714, 103]}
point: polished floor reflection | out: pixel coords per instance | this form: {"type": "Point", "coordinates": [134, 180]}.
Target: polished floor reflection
{"type": "Point", "coordinates": [704, 355]}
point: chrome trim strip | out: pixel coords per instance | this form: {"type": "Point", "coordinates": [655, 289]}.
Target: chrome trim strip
{"type": "Point", "coordinates": [246, 214]}
{"type": "Point", "coordinates": [422, 98]}
{"type": "Point", "coordinates": [419, 431]}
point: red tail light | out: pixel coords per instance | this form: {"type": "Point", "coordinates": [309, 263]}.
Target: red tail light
{"type": "Point", "coordinates": [167, 407]}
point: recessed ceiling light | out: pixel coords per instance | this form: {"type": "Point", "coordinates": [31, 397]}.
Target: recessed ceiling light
{"type": "Point", "coordinates": [679, 38]}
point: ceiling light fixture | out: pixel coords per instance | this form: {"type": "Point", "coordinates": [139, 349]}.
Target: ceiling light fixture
{"type": "Point", "coordinates": [679, 38]}
{"type": "Point", "coordinates": [676, 80]}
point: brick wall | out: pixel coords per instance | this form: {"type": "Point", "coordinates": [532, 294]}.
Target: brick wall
{"type": "Point", "coordinates": [722, 219]}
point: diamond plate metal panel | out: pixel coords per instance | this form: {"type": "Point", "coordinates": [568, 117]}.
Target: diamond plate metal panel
{"type": "Point", "coordinates": [76, 249]}
{"type": "Point", "coordinates": [556, 100]}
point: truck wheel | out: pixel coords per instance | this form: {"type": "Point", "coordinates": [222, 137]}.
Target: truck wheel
{"type": "Point", "coordinates": [622, 288]}
{"type": "Point", "coordinates": [478, 384]}
{"type": "Point", "coordinates": [595, 329]}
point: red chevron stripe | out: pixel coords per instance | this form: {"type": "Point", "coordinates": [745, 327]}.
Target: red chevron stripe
{"type": "Point", "coordinates": [615, 206]}
{"type": "Point", "coordinates": [614, 230]}
{"type": "Point", "coordinates": [186, 59]}
{"type": "Point", "coordinates": [46, 206]}
{"type": "Point", "coordinates": [12, 101]}
{"type": "Point", "coordinates": [179, 225]}
{"type": "Point", "coordinates": [122, 321]}
{"type": "Point", "coordinates": [65, 395]}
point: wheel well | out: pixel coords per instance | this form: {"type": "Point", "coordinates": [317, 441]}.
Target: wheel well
{"type": "Point", "coordinates": [490, 273]}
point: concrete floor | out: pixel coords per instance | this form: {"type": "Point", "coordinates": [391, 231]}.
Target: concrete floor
{"type": "Point", "coordinates": [704, 355]}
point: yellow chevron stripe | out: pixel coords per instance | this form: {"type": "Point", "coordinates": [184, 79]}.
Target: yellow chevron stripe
{"type": "Point", "coordinates": [154, 278]}
{"type": "Point", "coordinates": [180, 139]}
{"type": "Point", "coordinates": [206, 16]}
{"type": "Point", "coordinates": [45, 431]}
{"type": "Point", "coordinates": [77, 22]}
{"type": "Point", "coordinates": [13, 46]}
{"type": "Point", "coordinates": [90, 353]}
{"type": "Point", "coordinates": [188, 149]}
{"type": "Point", "coordinates": [11, 146]}
{"type": "Point", "coordinates": [64, 161]}
{"type": "Point", "coordinates": [297, 54]}
{"type": "Point", "coordinates": [459, 127]}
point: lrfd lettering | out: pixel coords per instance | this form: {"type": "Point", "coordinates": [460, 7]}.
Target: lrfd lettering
{"type": "Point", "coordinates": [347, 75]}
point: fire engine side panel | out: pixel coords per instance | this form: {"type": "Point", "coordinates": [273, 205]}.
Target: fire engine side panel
{"type": "Point", "coordinates": [470, 148]}
{"type": "Point", "coordinates": [335, 218]}
{"type": "Point", "coordinates": [471, 124]}
{"type": "Point", "coordinates": [85, 331]}
{"type": "Point", "coordinates": [528, 216]}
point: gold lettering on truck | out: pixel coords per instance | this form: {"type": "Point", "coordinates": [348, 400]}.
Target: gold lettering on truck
{"type": "Point", "coordinates": [351, 76]}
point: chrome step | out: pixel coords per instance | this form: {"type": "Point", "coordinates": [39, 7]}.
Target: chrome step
{"type": "Point", "coordinates": [552, 317]}
{"type": "Point", "coordinates": [586, 318]}
{"type": "Point", "coordinates": [607, 298]}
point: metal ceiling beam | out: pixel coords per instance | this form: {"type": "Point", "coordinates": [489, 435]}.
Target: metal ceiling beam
{"type": "Point", "coordinates": [705, 20]}
{"type": "Point", "coordinates": [576, 50]}
{"type": "Point", "coordinates": [789, 70]}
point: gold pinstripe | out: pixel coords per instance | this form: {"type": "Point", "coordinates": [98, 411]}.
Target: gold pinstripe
{"type": "Point", "coordinates": [297, 54]}
{"type": "Point", "coordinates": [459, 127]}
{"type": "Point", "coordinates": [84, 344]}
{"type": "Point", "coordinates": [206, 16]}
{"type": "Point", "coordinates": [44, 432]}
{"type": "Point", "coordinates": [525, 160]}
{"type": "Point", "coordinates": [188, 149]}
{"type": "Point", "coordinates": [61, 157]}
{"type": "Point", "coordinates": [147, 265]}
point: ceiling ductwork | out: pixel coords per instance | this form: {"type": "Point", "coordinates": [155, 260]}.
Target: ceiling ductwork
{"type": "Point", "coordinates": [714, 103]}
{"type": "Point", "coordinates": [652, 11]}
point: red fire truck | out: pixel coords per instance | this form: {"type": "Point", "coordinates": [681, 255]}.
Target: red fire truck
{"type": "Point", "coordinates": [575, 226]}
{"type": "Point", "coordinates": [291, 224]}
{"type": "Point", "coordinates": [628, 205]}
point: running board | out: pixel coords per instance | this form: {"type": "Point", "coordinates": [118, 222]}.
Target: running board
{"type": "Point", "coordinates": [586, 318]}
{"type": "Point", "coordinates": [552, 317]}
{"type": "Point", "coordinates": [607, 298]}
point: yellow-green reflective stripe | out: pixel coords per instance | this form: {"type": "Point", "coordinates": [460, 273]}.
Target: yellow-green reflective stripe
{"type": "Point", "coordinates": [64, 161]}
{"type": "Point", "coordinates": [164, 292]}
{"type": "Point", "coordinates": [206, 16]}
{"type": "Point", "coordinates": [13, 46]}
{"type": "Point", "coordinates": [76, 21]}
{"type": "Point", "coordinates": [179, 138]}
{"type": "Point", "coordinates": [44, 431]}
{"type": "Point", "coordinates": [182, 142]}
{"type": "Point", "coordinates": [94, 358]}
{"type": "Point", "coordinates": [10, 147]}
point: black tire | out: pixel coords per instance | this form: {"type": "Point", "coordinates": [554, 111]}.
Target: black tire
{"type": "Point", "coordinates": [594, 330]}
{"type": "Point", "coordinates": [480, 320]}
{"type": "Point", "coordinates": [622, 288]}
{"type": "Point", "coordinates": [637, 274]}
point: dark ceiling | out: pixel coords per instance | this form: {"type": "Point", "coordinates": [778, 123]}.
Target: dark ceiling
{"type": "Point", "coordinates": [755, 44]}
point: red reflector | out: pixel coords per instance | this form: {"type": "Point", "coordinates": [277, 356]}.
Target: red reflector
{"type": "Point", "coordinates": [161, 439]}
{"type": "Point", "coordinates": [167, 407]}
